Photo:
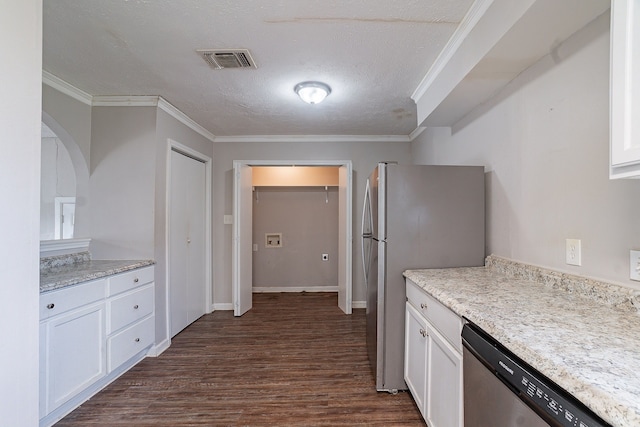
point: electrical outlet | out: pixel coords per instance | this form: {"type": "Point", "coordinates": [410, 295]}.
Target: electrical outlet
{"type": "Point", "coordinates": [574, 252]}
{"type": "Point", "coordinates": [634, 265]}
{"type": "Point", "coordinates": [325, 257]}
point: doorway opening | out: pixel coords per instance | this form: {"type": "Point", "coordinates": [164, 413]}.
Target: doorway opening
{"type": "Point", "coordinates": [243, 229]}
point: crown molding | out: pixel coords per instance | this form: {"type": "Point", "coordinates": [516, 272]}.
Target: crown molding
{"type": "Point", "coordinates": [313, 138]}
{"type": "Point", "coordinates": [125, 101]}
{"type": "Point", "coordinates": [477, 10]}
{"type": "Point", "coordinates": [416, 133]}
{"type": "Point", "coordinates": [64, 87]}
{"type": "Point", "coordinates": [170, 109]}
{"type": "Point", "coordinates": [151, 101]}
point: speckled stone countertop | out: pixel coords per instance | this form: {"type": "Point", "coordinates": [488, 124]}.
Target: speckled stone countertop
{"type": "Point", "coordinates": [67, 270]}
{"type": "Point", "coordinates": [582, 334]}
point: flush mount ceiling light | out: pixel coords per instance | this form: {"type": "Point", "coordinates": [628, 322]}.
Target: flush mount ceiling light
{"type": "Point", "coordinates": [312, 92]}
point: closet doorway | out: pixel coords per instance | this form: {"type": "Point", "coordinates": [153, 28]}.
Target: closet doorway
{"type": "Point", "coordinates": [242, 281]}
{"type": "Point", "coordinates": [189, 239]}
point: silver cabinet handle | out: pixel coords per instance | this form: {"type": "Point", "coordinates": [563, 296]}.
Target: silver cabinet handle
{"type": "Point", "coordinates": [135, 280]}
{"type": "Point", "coordinates": [137, 339]}
{"type": "Point", "coordinates": [50, 306]}
{"type": "Point", "coordinates": [423, 305]}
{"type": "Point", "coordinates": [135, 307]}
{"type": "Point", "coordinates": [423, 333]}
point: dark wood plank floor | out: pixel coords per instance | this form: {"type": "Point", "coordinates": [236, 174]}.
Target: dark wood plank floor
{"type": "Point", "coordinates": [293, 360]}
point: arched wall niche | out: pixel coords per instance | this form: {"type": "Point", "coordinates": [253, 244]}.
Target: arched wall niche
{"type": "Point", "coordinates": [81, 225]}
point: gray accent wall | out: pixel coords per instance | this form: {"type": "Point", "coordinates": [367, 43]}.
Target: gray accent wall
{"type": "Point", "coordinates": [122, 182]}
{"type": "Point", "coordinates": [129, 155]}
{"type": "Point", "coordinates": [309, 227]}
{"type": "Point", "coordinates": [168, 127]}
{"type": "Point", "coordinates": [544, 142]}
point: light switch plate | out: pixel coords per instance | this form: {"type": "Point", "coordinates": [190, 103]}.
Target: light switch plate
{"type": "Point", "coordinates": [228, 219]}
{"type": "Point", "coordinates": [574, 252]}
{"type": "Point", "coordinates": [634, 265]}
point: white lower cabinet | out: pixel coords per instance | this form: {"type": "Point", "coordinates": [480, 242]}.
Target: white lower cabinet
{"type": "Point", "coordinates": [433, 359]}
{"type": "Point", "coordinates": [415, 357]}
{"type": "Point", "coordinates": [72, 351]}
{"type": "Point", "coordinates": [90, 334]}
{"type": "Point", "coordinates": [445, 383]}
{"type": "Point", "coordinates": [129, 342]}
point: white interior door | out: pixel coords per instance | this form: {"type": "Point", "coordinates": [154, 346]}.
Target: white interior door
{"type": "Point", "coordinates": [187, 254]}
{"type": "Point", "coordinates": [345, 239]}
{"type": "Point", "coordinates": [196, 263]}
{"type": "Point", "coordinates": [242, 239]}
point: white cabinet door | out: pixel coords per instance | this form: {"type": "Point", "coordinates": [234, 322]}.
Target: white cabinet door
{"type": "Point", "coordinates": [74, 356]}
{"type": "Point", "coordinates": [445, 382]}
{"type": "Point", "coordinates": [415, 357]}
{"type": "Point", "coordinates": [625, 95]}
{"type": "Point", "coordinates": [433, 361]}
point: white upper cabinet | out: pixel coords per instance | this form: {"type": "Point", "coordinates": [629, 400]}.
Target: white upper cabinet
{"type": "Point", "coordinates": [625, 96]}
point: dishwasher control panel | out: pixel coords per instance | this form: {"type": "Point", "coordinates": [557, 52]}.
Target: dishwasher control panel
{"type": "Point", "coordinates": [546, 398]}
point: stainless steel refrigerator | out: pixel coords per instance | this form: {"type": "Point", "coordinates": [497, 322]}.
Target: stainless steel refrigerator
{"type": "Point", "coordinates": [413, 217]}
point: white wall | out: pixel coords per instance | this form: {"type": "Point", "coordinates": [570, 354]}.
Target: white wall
{"type": "Point", "coordinates": [20, 109]}
{"type": "Point", "coordinates": [544, 143]}
{"type": "Point", "coordinates": [364, 156]}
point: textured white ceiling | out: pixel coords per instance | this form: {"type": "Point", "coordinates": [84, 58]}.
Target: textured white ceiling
{"type": "Point", "coordinates": [373, 54]}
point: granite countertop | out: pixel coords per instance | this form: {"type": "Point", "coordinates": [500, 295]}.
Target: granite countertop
{"type": "Point", "coordinates": [59, 273]}
{"type": "Point", "coordinates": [582, 334]}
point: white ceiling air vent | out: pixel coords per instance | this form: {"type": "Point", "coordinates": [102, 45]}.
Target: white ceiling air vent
{"type": "Point", "coordinates": [227, 58]}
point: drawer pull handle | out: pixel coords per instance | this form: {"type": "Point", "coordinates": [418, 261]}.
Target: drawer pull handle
{"type": "Point", "coordinates": [50, 306]}
{"type": "Point", "coordinates": [135, 280]}
{"type": "Point", "coordinates": [423, 333]}
{"type": "Point", "coordinates": [135, 307]}
{"type": "Point", "coordinates": [423, 305]}
{"type": "Point", "coordinates": [137, 339]}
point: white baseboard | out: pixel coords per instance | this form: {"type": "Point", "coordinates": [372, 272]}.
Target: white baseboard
{"type": "Point", "coordinates": [158, 349]}
{"type": "Point", "coordinates": [225, 306]}
{"type": "Point", "coordinates": [229, 306]}
{"type": "Point", "coordinates": [358, 304]}
{"type": "Point", "coordinates": [266, 289]}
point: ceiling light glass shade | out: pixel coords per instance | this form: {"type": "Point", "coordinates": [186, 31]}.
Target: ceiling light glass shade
{"type": "Point", "coordinates": [312, 92]}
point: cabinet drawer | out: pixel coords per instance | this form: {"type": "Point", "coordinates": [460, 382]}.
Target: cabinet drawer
{"type": "Point", "coordinates": [129, 280]}
{"type": "Point", "coordinates": [62, 300]}
{"type": "Point", "coordinates": [441, 318]}
{"type": "Point", "coordinates": [128, 308]}
{"type": "Point", "coordinates": [129, 342]}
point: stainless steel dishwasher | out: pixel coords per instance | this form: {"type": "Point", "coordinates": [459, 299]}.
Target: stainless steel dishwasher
{"type": "Point", "coordinates": [501, 390]}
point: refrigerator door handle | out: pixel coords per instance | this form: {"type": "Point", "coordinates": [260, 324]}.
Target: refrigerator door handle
{"type": "Point", "coordinates": [365, 235]}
